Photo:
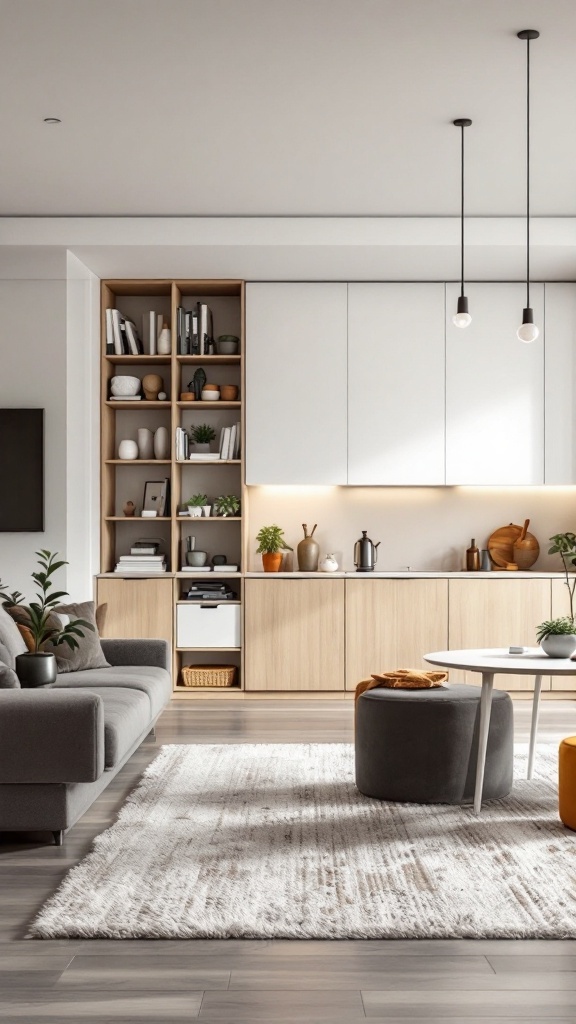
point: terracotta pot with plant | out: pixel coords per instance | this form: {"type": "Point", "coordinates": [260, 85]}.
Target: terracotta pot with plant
{"type": "Point", "coordinates": [39, 626]}
{"type": "Point", "coordinates": [271, 544]}
{"type": "Point", "coordinates": [557, 637]}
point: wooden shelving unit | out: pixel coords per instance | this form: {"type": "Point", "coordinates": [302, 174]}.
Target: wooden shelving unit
{"type": "Point", "coordinates": [123, 480]}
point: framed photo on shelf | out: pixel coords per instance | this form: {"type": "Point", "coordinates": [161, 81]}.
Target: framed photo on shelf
{"type": "Point", "coordinates": [156, 496]}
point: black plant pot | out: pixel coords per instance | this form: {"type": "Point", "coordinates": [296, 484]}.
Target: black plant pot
{"type": "Point", "coordinates": [36, 669]}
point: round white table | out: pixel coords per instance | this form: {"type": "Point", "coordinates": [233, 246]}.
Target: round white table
{"type": "Point", "coordinates": [533, 663]}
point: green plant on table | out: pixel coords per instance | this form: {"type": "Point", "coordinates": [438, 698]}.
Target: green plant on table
{"type": "Point", "coordinates": [202, 434]}
{"type": "Point", "coordinates": [42, 629]}
{"type": "Point", "coordinates": [197, 500]}
{"type": "Point", "coordinates": [271, 540]}
{"type": "Point", "coordinates": [555, 627]}
{"type": "Point", "coordinates": [226, 505]}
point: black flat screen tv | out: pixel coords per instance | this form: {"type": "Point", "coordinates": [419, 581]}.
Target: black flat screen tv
{"type": "Point", "coordinates": [21, 470]}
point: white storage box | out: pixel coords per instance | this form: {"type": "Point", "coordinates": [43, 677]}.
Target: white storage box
{"type": "Point", "coordinates": [208, 625]}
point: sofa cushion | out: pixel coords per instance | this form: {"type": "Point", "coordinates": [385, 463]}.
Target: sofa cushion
{"type": "Point", "coordinates": [8, 678]}
{"type": "Point", "coordinates": [155, 682]}
{"type": "Point", "coordinates": [126, 719]}
{"type": "Point", "coordinates": [10, 637]}
{"type": "Point", "coordinates": [89, 653]}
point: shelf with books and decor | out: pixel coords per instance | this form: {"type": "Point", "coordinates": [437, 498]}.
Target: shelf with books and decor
{"type": "Point", "coordinates": [162, 340]}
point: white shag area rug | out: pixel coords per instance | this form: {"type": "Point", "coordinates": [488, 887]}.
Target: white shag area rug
{"type": "Point", "coordinates": [274, 841]}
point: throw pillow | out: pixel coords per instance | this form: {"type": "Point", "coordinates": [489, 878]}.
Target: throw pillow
{"type": "Point", "coordinates": [8, 678]}
{"type": "Point", "coordinates": [89, 653]}
{"type": "Point", "coordinates": [10, 637]}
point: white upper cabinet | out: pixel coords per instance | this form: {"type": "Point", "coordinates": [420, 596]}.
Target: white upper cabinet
{"type": "Point", "coordinates": [296, 387]}
{"type": "Point", "coordinates": [396, 373]}
{"type": "Point", "coordinates": [560, 390]}
{"type": "Point", "coordinates": [494, 389]}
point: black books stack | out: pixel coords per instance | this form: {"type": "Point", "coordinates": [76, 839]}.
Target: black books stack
{"type": "Point", "coordinates": [205, 591]}
{"type": "Point", "coordinates": [194, 330]}
{"type": "Point", "coordinates": [144, 557]}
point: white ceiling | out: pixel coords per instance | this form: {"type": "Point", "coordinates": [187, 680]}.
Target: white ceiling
{"type": "Point", "coordinates": [283, 107]}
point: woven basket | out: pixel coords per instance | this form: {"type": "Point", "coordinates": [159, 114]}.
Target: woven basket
{"type": "Point", "coordinates": [208, 675]}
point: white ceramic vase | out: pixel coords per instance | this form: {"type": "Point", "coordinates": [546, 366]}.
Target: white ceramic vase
{"type": "Point", "coordinates": [559, 645]}
{"type": "Point", "coordinates": [127, 450]}
{"type": "Point", "coordinates": [164, 342]}
{"type": "Point", "coordinates": [328, 564]}
{"type": "Point", "coordinates": [145, 443]}
{"type": "Point", "coordinates": [161, 444]}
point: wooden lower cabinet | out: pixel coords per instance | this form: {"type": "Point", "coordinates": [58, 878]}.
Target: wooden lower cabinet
{"type": "Point", "coordinates": [137, 608]}
{"type": "Point", "coordinates": [294, 634]}
{"type": "Point", "coordinates": [498, 613]}
{"type": "Point", "coordinates": [391, 623]}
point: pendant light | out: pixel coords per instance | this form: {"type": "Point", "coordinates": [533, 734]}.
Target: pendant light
{"type": "Point", "coordinates": [528, 330]}
{"type": "Point", "coordinates": [462, 317]}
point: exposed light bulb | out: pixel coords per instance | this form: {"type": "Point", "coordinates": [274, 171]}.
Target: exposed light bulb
{"type": "Point", "coordinates": [527, 331]}
{"type": "Point", "coordinates": [461, 319]}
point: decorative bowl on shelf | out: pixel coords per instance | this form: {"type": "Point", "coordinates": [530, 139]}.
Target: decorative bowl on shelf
{"type": "Point", "coordinates": [125, 386]}
{"type": "Point", "coordinates": [187, 396]}
{"type": "Point", "coordinates": [228, 392]}
{"type": "Point", "coordinates": [227, 344]}
{"type": "Point", "coordinates": [210, 396]}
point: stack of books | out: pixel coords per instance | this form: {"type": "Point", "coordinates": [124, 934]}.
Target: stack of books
{"type": "Point", "coordinates": [152, 323]}
{"type": "Point", "coordinates": [182, 446]}
{"type": "Point", "coordinates": [194, 330]}
{"type": "Point", "coordinates": [122, 338]}
{"type": "Point", "coordinates": [144, 557]}
{"type": "Point", "coordinates": [230, 442]}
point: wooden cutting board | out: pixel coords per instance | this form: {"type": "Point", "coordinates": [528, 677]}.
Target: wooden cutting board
{"type": "Point", "coordinates": [501, 546]}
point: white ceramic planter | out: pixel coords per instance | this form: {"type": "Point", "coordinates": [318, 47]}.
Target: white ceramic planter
{"type": "Point", "coordinates": [127, 450]}
{"type": "Point", "coordinates": [562, 645]}
{"type": "Point", "coordinates": [195, 511]}
{"type": "Point", "coordinates": [206, 509]}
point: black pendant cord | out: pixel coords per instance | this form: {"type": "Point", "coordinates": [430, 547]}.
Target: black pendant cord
{"type": "Point", "coordinates": [462, 218]}
{"type": "Point", "coordinates": [528, 173]}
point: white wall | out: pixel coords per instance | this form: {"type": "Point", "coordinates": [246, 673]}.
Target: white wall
{"type": "Point", "coordinates": [33, 375]}
{"type": "Point", "coordinates": [423, 527]}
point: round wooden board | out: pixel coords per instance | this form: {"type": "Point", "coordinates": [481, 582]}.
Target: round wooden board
{"type": "Point", "coordinates": [501, 544]}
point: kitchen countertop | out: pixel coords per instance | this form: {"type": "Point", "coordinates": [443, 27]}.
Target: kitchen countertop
{"type": "Point", "coordinates": [398, 574]}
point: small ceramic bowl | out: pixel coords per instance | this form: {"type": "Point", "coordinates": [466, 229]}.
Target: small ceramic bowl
{"type": "Point", "coordinates": [210, 396]}
{"type": "Point", "coordinates": [187, 396]}
{"type": "Point", "coordinates": [228, 392]}
{"type": "Point", "coordinates": [211, 387]}
{"type": "Point", "coordinates": [227, 344]}
{"type": "Point", "coordinates": [124, 385]}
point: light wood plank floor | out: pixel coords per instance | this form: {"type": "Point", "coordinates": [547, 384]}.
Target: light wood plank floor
{"type": "Point", "coordinates": [239, 981]}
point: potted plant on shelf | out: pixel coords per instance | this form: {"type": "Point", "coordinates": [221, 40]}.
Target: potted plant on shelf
{"type": "Point", "coordinates": [226, 505]}
{"type": "Point", "coordinates": [195, 504]}
{"type": "Point", "coordinates": [557, 637]}
{"type": "Point", "coordinates": [201, 436]}
{"type": "Point", "coordinates": [40, 626]}
{"type": "Point", "coordinates": [271, 544]}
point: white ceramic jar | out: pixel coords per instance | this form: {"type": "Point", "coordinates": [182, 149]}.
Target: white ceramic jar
{"type": "Point", "coordinates": [128, 450]}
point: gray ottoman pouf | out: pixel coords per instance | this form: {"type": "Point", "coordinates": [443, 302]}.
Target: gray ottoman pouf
{"type": "Point", "coordinates": [420, 746]}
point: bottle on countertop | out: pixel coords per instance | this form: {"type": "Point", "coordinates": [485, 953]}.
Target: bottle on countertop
{"type": "Point", "coordinates": [472, 557]}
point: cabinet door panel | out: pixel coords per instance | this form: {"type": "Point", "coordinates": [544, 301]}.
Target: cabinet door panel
{"type": "Point", "coordinates": [296, 388]}
{"type": "Point", "coordinates": [560, 394]}
{"type": "Point", "coordinates": [494, 389]}
{"type": "Point", "coordinates": [396, 356]}
{"type": "Point", "coordinates": [137, 608]}
{"type": "Point", "coordinates": [294, 634]}
{"type": "Point", "coordinates": [391, 623]}
{"type": "Point", "coordinates": [497, 613]}
{"type": "Point", "coordinates": [561, 607]}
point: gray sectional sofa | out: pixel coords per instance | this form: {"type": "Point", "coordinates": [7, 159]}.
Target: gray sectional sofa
{"type": "Point", "coordinates": [60, 746]}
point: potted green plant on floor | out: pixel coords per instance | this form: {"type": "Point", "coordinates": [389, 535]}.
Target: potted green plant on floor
{"type": "Point", "coordinates": [557, 637]}
{"type": "Point", "coordinates": [271, 544]}
{"type": "Point", "coordinates": [226, 505]}
{"type": "Point", "coordinates": [201, 436]}
{"type": "Point", "coordinates": [40, 626]}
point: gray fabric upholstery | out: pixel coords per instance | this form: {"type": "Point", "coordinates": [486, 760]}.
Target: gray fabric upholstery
{"type": "Point", "coordinates": [155, 682]}
{"type": "Point", "coordinates": [137, 652]}
{"type": "Point", "coordinates": [126, 717]}
{"type": "Point", "coordinates": [8, 678]}
{"type": "Point", "coordinates": [5, 658]}
{"type": "Point", "coordinates": [51, 735]}
{"type": "Point", "coordinates": [89, 653]}
{"type": "Point", "coordinates": [10, 637]}
{"type": "Point", "coordinates": [420, 746]}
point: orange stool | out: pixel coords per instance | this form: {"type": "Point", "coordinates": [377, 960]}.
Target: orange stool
{"type": "Point", "coordinates": [567, 782]}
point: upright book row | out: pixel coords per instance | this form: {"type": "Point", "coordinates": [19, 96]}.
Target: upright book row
{"type": "Point", "coordinates": [194, 331]}
{"type": "Point", "coordinates": [123, 339]}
